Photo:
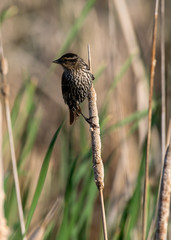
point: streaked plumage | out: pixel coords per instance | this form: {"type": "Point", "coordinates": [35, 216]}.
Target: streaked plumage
{"type": "Point", "coordinates": [76, 82]}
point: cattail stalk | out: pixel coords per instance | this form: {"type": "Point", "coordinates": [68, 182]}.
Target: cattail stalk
{"type": "Point", "coordinates": [96, 147]}
{"type": "Point", "coordinates": [152, 73]}
{"type": "Point", "coordinates": [164, 199]}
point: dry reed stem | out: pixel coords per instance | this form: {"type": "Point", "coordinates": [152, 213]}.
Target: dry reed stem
{"type": "Point", "coordinates": [5, 93]}
{"type": "Point", "coordinates": [163, 92]}
{"type": "Point", "coordinates": [152, 73]}
{"type": "Point", "coordinates": [137, 65]}
{"type": "Point", "coordinates": [4, 230]}
{"type": "Point", "coordinates": [96, 148]}
{"type": "Point", "coordinates": [168, 134]}
{"type": "Point", "coordinates": [38, 232]}
{"type": "Point", "coordinates": [164, 200]}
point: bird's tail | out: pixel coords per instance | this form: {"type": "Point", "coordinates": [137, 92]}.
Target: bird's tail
{"type": "Point", "coordinates": [74, 114]}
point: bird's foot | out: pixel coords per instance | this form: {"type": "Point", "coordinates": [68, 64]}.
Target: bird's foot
{"type": "Point", "coordinates": [89, 120]}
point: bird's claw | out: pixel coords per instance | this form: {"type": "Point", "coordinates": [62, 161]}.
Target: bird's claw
{"type": "Point", "coordinates": [89, 120]}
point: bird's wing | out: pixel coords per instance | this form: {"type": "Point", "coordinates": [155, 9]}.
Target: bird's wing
{"type": "Point", "coordinates": [65, 89]}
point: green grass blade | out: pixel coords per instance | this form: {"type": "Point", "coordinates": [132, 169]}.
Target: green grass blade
{"type": "Point", "coordinates": [113, 85]}
{"type": "Point", "coordinates": [83, 208]}
{"type": "Point", "coordinates": [130, 119]}
{"type": "Point", "coordinates": [76, 26]}
{"type": "Point", "coordinates": [16, 109]}
{"type": "Point", "coordinates": [99, 72]}
{"type": "Point", "coordinates": [74, 30]}
{"type": "Point", "coordinates": [49, 230]}
{"type": "Point", "coordinates": [17, 103]}
{"type": "Point", "coordinates": [131, 211]}
{"type": "Point", "coordinates": [122, 72]}
{"type": "Point", "coordinates": [133, 118]}
{"type": "Point", "coordinates": [29, 107]}
{"type": "Point", "coordinates": [29, 138]}
{"type": "Point", "coordinates": [77, 174]}
{"type": "Point", "coordinates": [7, 13]}
{"type": "Point", "coordinates": [69, 197]}
{"type": "Point", "coordinates": [42, 177]}
{"type": "Point", "coordinates": [72, 33]}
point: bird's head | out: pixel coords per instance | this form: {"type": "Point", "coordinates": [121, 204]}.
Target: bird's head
{"type": "Point", "coordinates": [68, 61]}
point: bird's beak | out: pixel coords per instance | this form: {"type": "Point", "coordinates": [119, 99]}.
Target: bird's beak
{"type": "Point", "coordinates": [57, 61]}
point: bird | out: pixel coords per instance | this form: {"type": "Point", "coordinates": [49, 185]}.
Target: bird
{"type": "Point", "coordinates": [76, 83]}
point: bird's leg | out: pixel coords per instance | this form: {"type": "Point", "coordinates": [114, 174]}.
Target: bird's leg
{"type": "Point", "coordinates": [89, 120]}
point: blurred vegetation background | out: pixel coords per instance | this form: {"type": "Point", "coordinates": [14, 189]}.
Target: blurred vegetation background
{"type": "Point", "coordinates": [34, 33]}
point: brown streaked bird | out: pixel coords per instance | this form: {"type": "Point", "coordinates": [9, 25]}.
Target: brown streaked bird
{"type": "Point", "coordinates": [76, 83]}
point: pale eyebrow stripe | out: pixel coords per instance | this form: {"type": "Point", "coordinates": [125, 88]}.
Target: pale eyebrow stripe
{"type": "Point", "coordinates": [70, 58]}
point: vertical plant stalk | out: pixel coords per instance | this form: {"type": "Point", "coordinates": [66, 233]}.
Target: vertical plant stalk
{"type": "Point", "coordinates": [137, 65]}
{"type": "Point", "coordinates": [5, 93]}
{"type": "Point", "coordinates": [96, 148]}
{"type": "Point", "coordinates": [163, 92]}
{"type": "Point", "coordinates": [4, 231]}
{"type": "Point", "coordinates": [164, 200]}
{"type": "Point", "coordinates": [39, 231]}
{"type": "Point", "coordinates": [168, 133]}
{"type": "Point", "coordinates": [152, 73]}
